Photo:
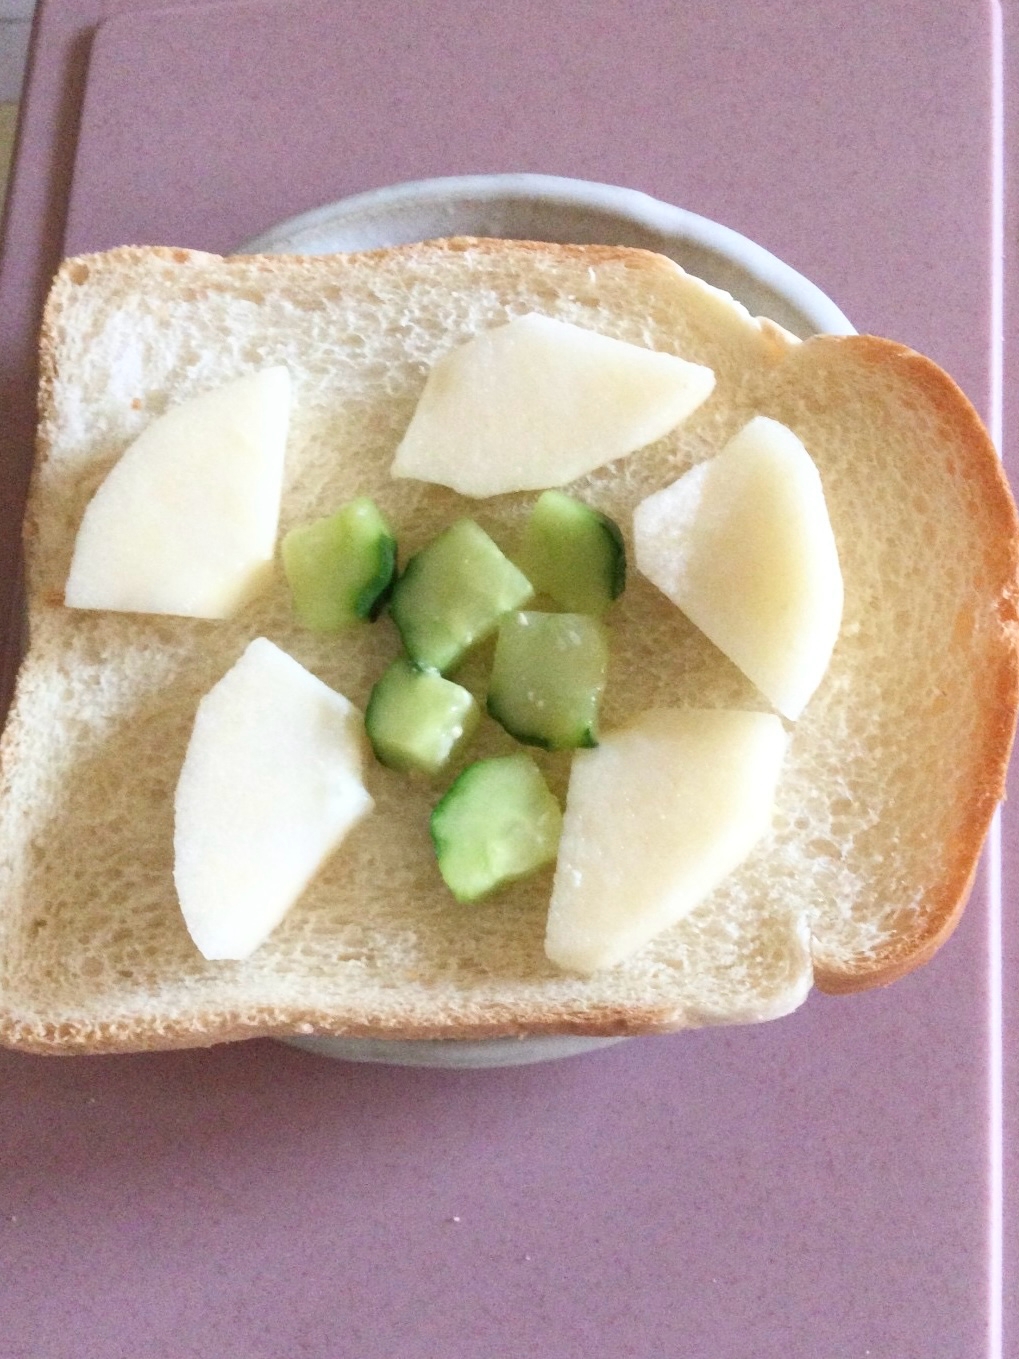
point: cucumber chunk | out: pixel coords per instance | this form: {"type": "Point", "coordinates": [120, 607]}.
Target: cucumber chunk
{"type": "Point", "coordinates": [497, 823]}
{"type": "Point", "coordinates": [340, 569]}
{"type": "Point", "coordinates": [416, 720]}
{"type": "Point", "coordinates": [548, 677]}
{"type": "Point", "coordinates": [452, 594]}
{"type": "Point", "coordinates": [574, 554]}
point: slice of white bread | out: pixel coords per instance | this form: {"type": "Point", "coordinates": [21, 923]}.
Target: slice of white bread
{"type": "Point", "coordinates": [893, 771]}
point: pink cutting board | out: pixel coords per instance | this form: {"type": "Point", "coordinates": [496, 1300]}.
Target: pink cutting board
{"type": "Point", "coordinates": [824, 1186]}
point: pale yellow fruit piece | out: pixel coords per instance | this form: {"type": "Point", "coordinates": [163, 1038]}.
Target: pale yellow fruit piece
{"type": "Point", "coordinates": [271, 784]}
{"type": "Point", "coordinates": [538, 402]}
{"type": "Point", "coordinates": [744, 546]}
{"type": "Point", "coordinates": [185, 522]}
{"type": "Point", "coordinates": [656, 817]}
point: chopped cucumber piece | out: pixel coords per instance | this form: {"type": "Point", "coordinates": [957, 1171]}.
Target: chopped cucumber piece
{"type": "Point", "coordinates": [416, 720]}
{"type": "Point", "coordinates": [548, 677]}
{"type": "Point", "coordinates": [453, 593]}
{"type": "Point", "coordinates": [497, 823]}
{"type": "Point", "coordinates": [574, 554]}
{"type": "Point", "coordinates": [340, 569]}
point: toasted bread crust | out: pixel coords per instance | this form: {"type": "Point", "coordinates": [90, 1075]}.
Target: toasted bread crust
{"type": "Point", "coordinates": [998, 681]}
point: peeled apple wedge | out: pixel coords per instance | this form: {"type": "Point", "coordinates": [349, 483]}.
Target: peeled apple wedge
{"type": "Point", "coordinates": [744, 546]}
{"type": "Point", "coordinates": [656, 817]}
{"type": "Point", "coordinates": [271, 784]}
{"type": "Point", "coordinates": [185, 523]}
{"type": "Point", "coordinates": [538, 402]}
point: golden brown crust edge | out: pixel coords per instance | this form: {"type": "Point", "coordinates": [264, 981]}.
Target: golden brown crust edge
{"type": "Point", "coordinates": [983, 469]}
{"type": "Point", "coordinates": [76, 268]}
{"type": "Point", "coordinates": [71, 1039]}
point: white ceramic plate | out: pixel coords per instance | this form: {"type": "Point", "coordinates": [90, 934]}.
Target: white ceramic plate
{"type": "Point", "coordinates": [543, 208]}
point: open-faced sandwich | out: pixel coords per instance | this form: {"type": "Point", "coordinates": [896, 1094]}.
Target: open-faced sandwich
{"type": "Point", "coordinates": [486, 638]}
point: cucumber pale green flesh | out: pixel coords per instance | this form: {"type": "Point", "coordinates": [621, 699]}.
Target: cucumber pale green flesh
{"type": "Point", "coordinates": [574, 554]}
{"type": "Point", "coordinates": [416, 720]}
{"type": "Point", "coordinates": [452, 594]}
{"type": "Point", "coordinates": [497, 823]}
{"type": "Point", "coordinates": [340, 569]}
{"type": "Point", "coordinates": [548, 677]}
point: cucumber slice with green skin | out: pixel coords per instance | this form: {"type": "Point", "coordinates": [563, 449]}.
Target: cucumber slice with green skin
{"type": "Point", "coordinates": [497, 823]}
{"type": "Point", "coordinates": [340, 569]}
{"type": "Point", "coordinates": [452, 594]}
{"type": "Point", "coordinates": [416, 720]}
{"type": "Point", "coordinates": [548, 677]}
{"type": "Point", "coordinates": [574, 554]}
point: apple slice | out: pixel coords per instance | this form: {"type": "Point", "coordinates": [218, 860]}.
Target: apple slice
{"type": "Point", "coordinates": [743, 544]}
{"type": "Point", "coordinates": [656, 817]}
{"type": "Point", "coordinates": [270, 786]}
{"type": "Point", "coordinates": [185, 522]}
{"type": "Point", "coordinates": [539, 402]}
